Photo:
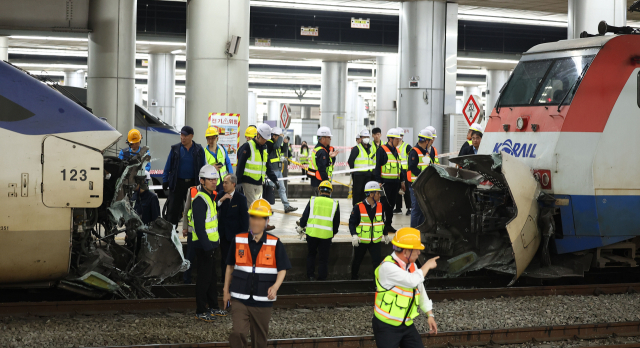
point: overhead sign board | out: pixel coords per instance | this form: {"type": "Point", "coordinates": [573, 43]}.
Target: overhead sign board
{"type": "Point", "coordinates": [263, 42]}
{"type": "Point", "coordinates": [284, 116]}
{"type": "Point", "coordinates": [471, 109]}
{"type": "Point", "coordinates": [309, 31]}
{"type": "Point", "coordinates": [360, 23]}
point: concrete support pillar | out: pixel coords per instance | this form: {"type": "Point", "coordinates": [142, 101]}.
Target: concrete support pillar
{"type": "Point", "coordinates": [305, 112]}
{"type": "Point", "coordinates": [161, 86]}
{"type": "Point", "coordinates": [111, 62]}
{"type": "Point", "coordinates": [469, 90]}
{"type": "Point", "coordinates": [138, 96]}
{"type": "Point", "coordinates": [252, 116]}
{"type": "Point", "coordinates": [584, 15]}
{"type": "Point", "coordinates": [180, 112]}
{"type": "Point", "coordinates": [351, 119]}
{"type": "Point", "coordinates": [273, 111]}
{"type": "Point", "coordinates": [495, 80]}
{"type": "Point", "coordinates": [4, 48]}
{"type": "Point", "coordinates": [74, 78]}
{"type": "Point", "coordinates": [333, 102]}
{"type": "Point", "coordinates": [422, 53]}
{"type": "Point", "coordinates": [386, 93]}
{"type": "Point", "coordinates": [216, 82]}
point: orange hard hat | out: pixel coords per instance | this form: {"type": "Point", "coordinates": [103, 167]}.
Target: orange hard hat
{"type": "Point", "coordinates": [134, 136]}
{"type": "Point", "coordinates": [260, 207]}
{"type": "Point", "coordinates": [408, 238]}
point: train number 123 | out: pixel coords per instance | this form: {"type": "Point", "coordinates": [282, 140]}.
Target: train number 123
{"type": "Point", "coordinates": [73, 175]}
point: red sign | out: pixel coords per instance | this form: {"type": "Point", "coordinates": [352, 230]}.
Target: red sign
{"type": "Point", "coordinates": [471, 110]}
{"type": "Point", "coordinates": [284, 116]}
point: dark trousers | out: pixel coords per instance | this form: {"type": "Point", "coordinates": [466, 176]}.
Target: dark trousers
{"type": "Point", "coordinates": [357, 193]}
{"type": "Point", "coordinates": [206, 289]}
{"type": "Point", "coordinates": [358, 256]}
{"type": "Point", "coordinates": [318, 247]}
{"type": "Point", "coordinates": [245, 319]}
{"type": "Point", "coordinates": [176, 200]}
{"type": "Point", "coordinates": [389, 336]}
{"type": "Point", "coordinates": [407, 197]}
{"type": "Point", "coordinates": [191, 255]}
{"type": "Point", "coordinates": [389, 200]}
{"type": "Point", "coordinates": [224, 252]}
{"type": "Point", "coordinates": [304, 172]}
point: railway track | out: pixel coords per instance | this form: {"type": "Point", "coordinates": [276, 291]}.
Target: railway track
{"type": "Point", "coordinates": [460, 338]}
{"type": "Point", "coordinates": [297, 301]}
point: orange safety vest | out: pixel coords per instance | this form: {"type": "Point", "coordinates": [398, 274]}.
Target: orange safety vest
{"type": "Point", "coordinates": [312, 170]}
{"type": "Point", "coordinates": [391, 170]}
{"type": "Point", "coordinates": [410, 176]}
{"type": "Point", "coordinates": [265, 267]}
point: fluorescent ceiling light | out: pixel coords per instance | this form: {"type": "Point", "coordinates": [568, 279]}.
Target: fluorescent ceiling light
{"type": "Point", "coordinates": [48, 52]}
{"type": "Point", "coordinates": [488, 60]}
{"type": "Point", "coordinates": [471, 71]}
{"type": "Point", "coordinates": [161, 43]}
{"type": "Point", "coordinates": [509, 20]}
{"type": "Point", "coordinates": [48, 66]}
{"type": "Point", "coordinates": [371, 7]}
{"type": "Point", "coordinates": [48, 38]}
{"type": "Point", "coordinates": [322, 51]}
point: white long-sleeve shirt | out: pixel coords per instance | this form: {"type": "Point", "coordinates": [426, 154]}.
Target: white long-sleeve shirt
{"type": "Point", "coordinates": [391, 275]}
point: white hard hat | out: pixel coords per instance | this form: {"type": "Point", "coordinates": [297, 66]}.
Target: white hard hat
{"type": "Point", "coordinates": [365, 133]}
{"type": "Point", "coordinates": [393, 133]}
{"type": "Point", "coordinates": [372, 186]}
{"type": "Point", "coordinates": [425, 134]}
{"type": "Point", "coordinates": [264, 130]}
{"type": "Point", "coordinates": [276, 130]}
{"type": "Point", "coordinates": [432, 130]}
{"type": "Point", "coordinates": [400, 131]}
{"type": "Point", "coordinates": [209, 172]}
{"type": "Point", "coordinates": [477, 127]}
{"type": "Point", "coordinates": [324, 132]}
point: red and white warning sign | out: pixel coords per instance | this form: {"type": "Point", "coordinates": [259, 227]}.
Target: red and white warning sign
{"type": "Point", "coordinates": [471, 109]}
{"type": "Point", "coordinates": [284, 116]}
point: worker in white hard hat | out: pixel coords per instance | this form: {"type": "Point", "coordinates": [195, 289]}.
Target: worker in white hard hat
{"type": "Point", "coordinates": [203, 218]}
{"type": "Point", "coordinates": [419, 159]}
{"type": "Point", "coordinates": [388, 171]}
{"type": "Point", "coordinates": [434, 151]}
{"type": "Point", "coordinates": [366, 225]}
{"type": "Point", "coordinates": [277, 163]}
{"type": "Point", "coordinates": [474, 143]}
{"type": "Point", "coordinates": [361, 157]}
{"type": "Point", "coordinates": [465, 147]}
{"type": "Point", "coordinates": [252, 169]}
{"type": "Point", "coordinates": [322, 158]}
{"type": "Point", "coordinates": [403, 153]}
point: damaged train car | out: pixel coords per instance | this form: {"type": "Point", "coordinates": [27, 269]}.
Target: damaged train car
{"type": "Point", "coordinates": [551, 192]}
{"type": "Point", "coordinates": [67, 200]}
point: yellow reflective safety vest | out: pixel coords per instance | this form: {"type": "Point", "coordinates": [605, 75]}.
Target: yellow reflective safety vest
{"type": "Point", "coordinates": [403, 155]}
{"type": "Point", "coordinates": [436, 160]}
{"type": "Point", "coordinates": [370, 231]}
{"type": "Point", "coordinates": [391, 170]}
{"type": "Point", "coordinates": [312, 171]}
{"type": "Point", "coordinates": [469, 142]}
{"type": "Point", "coordinates": [364, 159]}
{"type": "Point", "coordinates": [256, 165]}
{"type": "Point", "coordinates": [211, 221]}
{"type": "Point", "coordinates": [322, 210]}
{"type": "Point", "coordinates": [423, 161]}
{"type": "Point", "coordinates": [398, 305]}
{"type": "Point", "coordinates": [304, 156]}
{"type": "Point", "coordinates": [277, 156]}
{"type": "Point", "coordinates": [214, 159]}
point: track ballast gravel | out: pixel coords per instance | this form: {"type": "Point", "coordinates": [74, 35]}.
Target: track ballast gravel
{"type": "Point", "coordinates": [131, 329]}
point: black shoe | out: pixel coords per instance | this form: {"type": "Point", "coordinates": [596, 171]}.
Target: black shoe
{"type": "Point", "coordinates": [208, 317]}
{"type": "Point", "coordinates": [397, 211]}
{"type": "Point", "coordinates": [290, 209]}
{"type": "Point", "coordinates": [390, 229]}
{"type": "Point", "coordinates": [218, 312]}
{"type": "Point", "coordinates": [408, 213]}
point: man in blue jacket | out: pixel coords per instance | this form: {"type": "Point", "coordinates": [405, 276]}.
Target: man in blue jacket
{"type": "Point", "coordinates": [181, 172]}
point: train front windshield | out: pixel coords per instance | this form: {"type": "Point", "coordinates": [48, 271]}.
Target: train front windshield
{"type": "Point", "coordinates": [544, 82]}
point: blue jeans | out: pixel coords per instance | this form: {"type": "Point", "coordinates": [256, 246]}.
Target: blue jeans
{"type": "Point", "coordinates": [416, 214]}
{"type": "Point", "coordinates": [281, 191]}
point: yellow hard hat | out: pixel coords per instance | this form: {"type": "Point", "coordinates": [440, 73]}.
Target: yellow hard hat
{"type": "Point", "coordinates": [326, 184]}
{"type": "Point", "coordinates": [251, 132]}
{"type": "Point", "coordinates": [260, 208]}
{"type": "Point", "coordinates": [408, 238]}
{"type": "Point", "coordinates": [211, 131]}
{"type": "Point", "coordinates": [134, 136]}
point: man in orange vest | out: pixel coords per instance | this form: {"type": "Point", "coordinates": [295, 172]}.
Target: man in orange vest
{"type": "Point", "coordinates": [256, 266]}
{"type": "Point", "coordinates": [419, 159]}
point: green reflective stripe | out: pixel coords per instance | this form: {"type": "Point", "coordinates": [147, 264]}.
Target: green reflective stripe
{"type": "Point", "coordinates": [313, 166]}
{"type": "Point", "coordinates": [364, 159]}
{"type": "Point", "coordinates": [256, 166]}
{"type": "Point", "coordinates": [402, 153]}
{"type": "Point", "coordinates": [211, 220]}
{"type": "Point", "coordinates": [322, 210]}
{"type": "Point", "coordinates": [396, 305]}
{"type": "Point", "coordinates": [211, 159]}
{"type": "Point", "coordinates": [370, 231]}
{"type": "Point", "coordinates": [278, 153]}
{"type": "Point", "coordinates": [391, 170]}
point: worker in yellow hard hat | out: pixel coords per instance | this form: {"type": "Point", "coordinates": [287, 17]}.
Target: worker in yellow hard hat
{"type": "Point", "coordinates": [250, 133]}
{"type": "Point", "coordinates": [399, 293]}
{"type": "Point", "coordinates": [318, 225]}
{"type": "Point", "coordinates": [255, 271]}
{"type": "Point", "coordinates": [133, 140]}
{"type": "Point", "coordinates": [217, 156]}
